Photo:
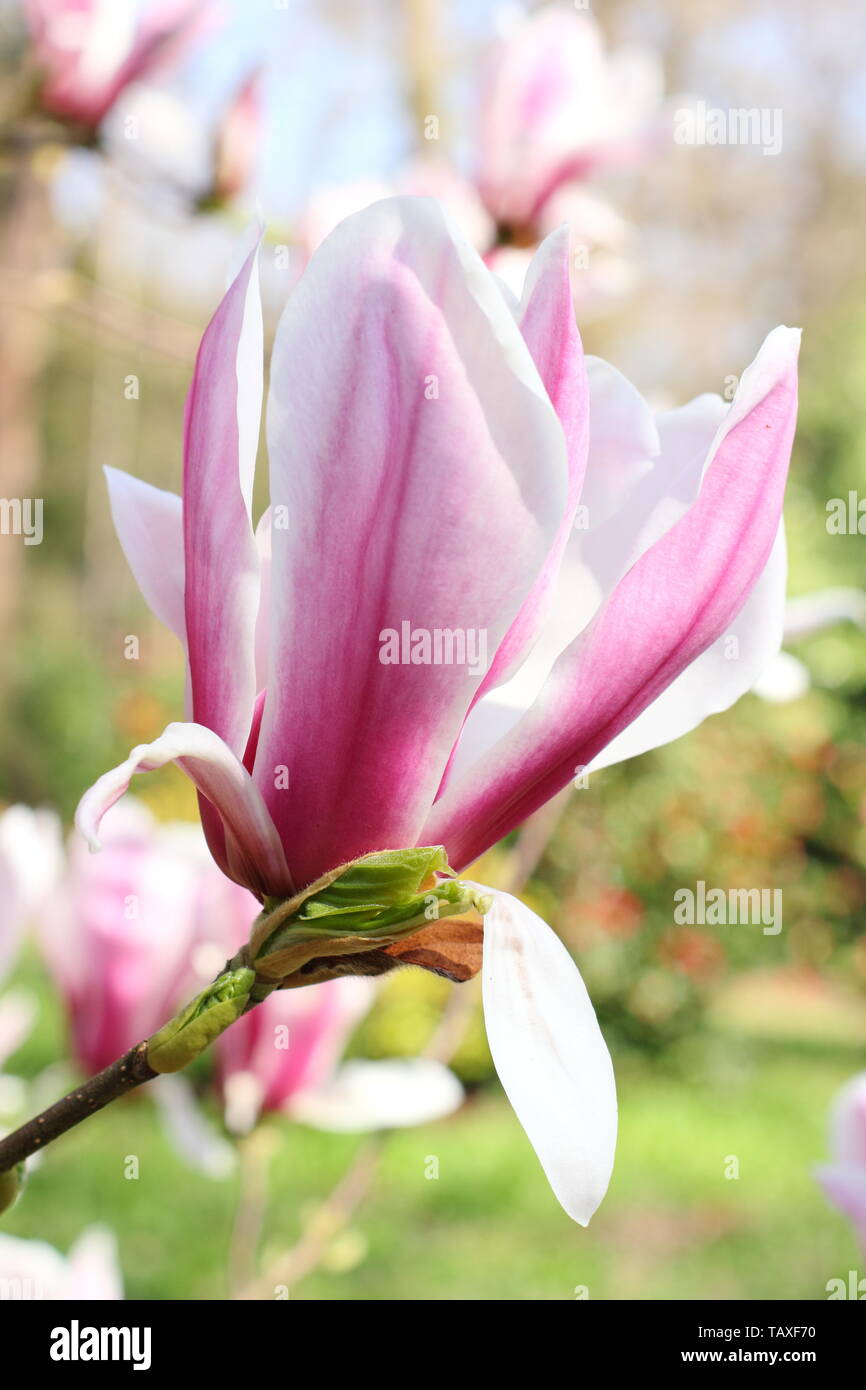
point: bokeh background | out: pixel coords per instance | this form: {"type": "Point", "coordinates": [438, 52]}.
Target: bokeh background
{"type": "Point", "coordinates": [728, 1043]}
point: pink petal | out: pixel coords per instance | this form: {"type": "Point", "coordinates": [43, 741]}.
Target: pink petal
{"type": "Point", "coordinates": [673, 603]}
{"type": "Point", "coordinates": [719, 676]}
{"type": "Point", "coordinates": [293, 1040]}
{"type": "Point", "coordinates": [433, 510]}
{"type": "Point", "coordinates": [253, 854]}
{"type": "Point", "coordinates": [222, 565]}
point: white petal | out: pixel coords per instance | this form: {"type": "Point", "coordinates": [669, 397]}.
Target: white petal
{"type": "Point", "coordinates": [390, 1094]}
{"type": "Point", "coordinates": [150, 530]}
{"type": "Point", "coordinates": [93, 1270]}
{"type": "Point", "coordinates": [813, 612]}
{"type": "Point", "coordinates": [550, 1054]}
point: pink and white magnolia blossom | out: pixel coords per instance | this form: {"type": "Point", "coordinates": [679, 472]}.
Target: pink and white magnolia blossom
{"type": "Point", "coordinates": [555, 108]}
{"type": "Point", "coordinates": [844, 1178]}
{"type": "Point", "coordinates": [89, 51]}
{"type": "Point", "coordinates": [440, 460]}
{"type": "Point", "coordinates": [283, 1057]}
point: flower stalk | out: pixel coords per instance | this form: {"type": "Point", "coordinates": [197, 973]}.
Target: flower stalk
{"type": "Point", "coordinates": [170, 1049]}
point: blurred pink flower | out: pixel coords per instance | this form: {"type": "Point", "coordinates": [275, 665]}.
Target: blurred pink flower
{"type": "Point", "coordinates": [237, 141]}
{"type": "Point", "coordinates": [555, 107]}
{"type": "Point", "coordinates": [441, 461]}
{"type": "Point", "coordinates": [844, 1179]}
{"type": "Point", "coordinates": [32, 1269]}
{"type": "Point", "coordinates": [291, 1042]}
{"type": "Point", "coordinates": [284, 1055]}
{"type": "Point", "coordinates": [90, 50]}
{"type": "Point", "coordinates": [137, 929]}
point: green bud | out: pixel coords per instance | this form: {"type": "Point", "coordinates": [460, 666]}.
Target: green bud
{"type": "Point", "coordinates": [187, 1035]}
{"type": "Point", "coordinates": [11, 1185]}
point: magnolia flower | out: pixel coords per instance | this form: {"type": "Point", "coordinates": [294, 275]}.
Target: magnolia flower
{"type": "Point", "coordinates": [283, 1057]}
{"type": "Point", "coordinates": [554, 108]}
{"type": "Point", "coordinates": [844, 1179]}
{"type": "Point", "coordinates": [135, 930]}
{"type": "Point", "coordinates": [441, 464]}
{"type": "Point", "coordinates": [237, 140]}
{"type": "Point", "coordinates": [89, 51]}
{"type": "Point", "coordinates": [32, 1269]}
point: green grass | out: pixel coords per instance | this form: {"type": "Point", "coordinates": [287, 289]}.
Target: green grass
{"type": "Point", "coordinates": [672, 1227]}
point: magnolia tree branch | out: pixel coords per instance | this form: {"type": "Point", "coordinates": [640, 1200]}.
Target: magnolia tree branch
{"type": "Point", "coordinates": [181, 1040]}
{"type": "Point", "coordinates": [121, 1076]}
{"type": "Point", "coordinates": [235, 990]}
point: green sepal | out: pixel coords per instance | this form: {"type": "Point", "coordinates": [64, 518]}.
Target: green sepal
{"type": "Point", "coordinates": [187, 1035]}
{"type": "Point", "coordinates": [377, 899]}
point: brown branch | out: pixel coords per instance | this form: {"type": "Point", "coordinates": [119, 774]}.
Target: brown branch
{"type": "Point", "coordinates": [121, 1076]}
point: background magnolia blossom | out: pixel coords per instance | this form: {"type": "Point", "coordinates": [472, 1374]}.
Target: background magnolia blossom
{"type": "Point", "coordinates": [88, 51]}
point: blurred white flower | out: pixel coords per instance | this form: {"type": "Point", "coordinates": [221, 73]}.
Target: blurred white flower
{"type": "Point", "coordinates": [32, 1269]}
{"type": "Point", "coordinates": [786, 677]}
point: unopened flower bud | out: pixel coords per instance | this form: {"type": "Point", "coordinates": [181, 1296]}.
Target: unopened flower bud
{"type": "Point", "coordinates": [11, 1184]}
{"type": "Point", "coordinates": [195, 1027]}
